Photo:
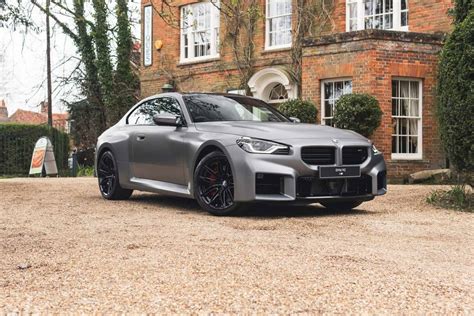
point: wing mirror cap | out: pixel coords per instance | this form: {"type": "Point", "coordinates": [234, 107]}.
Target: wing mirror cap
{"type": "Point", "coordinates": [168, 120]}
{"type": "Point", "coordinates": [295, 119]}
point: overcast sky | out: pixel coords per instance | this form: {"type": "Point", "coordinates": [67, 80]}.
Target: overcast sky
{"type": "Point", "coordinates": [23, 66]}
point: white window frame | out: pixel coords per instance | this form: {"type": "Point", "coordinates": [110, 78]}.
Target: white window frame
{"type": "Point", "coordinates": [268, 18]}
{"type": "Point", "coordinates": [323, 99]}
{"type": "Point", "coordinates": [275, 102]}
{"type": "Point", "coordinates": [214, 28]}
{"type": "Point", "coordinates": [397, 13]}
{"type": "Point", "coordinates": [419, 154]}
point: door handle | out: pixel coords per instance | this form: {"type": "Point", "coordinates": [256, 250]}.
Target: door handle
{"type": "Point", "coordinates": [140, 138]}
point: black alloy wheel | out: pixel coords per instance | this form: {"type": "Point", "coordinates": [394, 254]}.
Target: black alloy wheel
{"type": "Point", "coordinates": [107, 174]}
{"type": "Point", "coordinates": [214, 185]}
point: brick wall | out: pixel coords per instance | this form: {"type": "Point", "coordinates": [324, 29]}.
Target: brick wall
{"type": "Point", "coordinates": [216, 75]}
{"type": "Point", "coordinates": [371, 59]}
{"type": "Point", "coordinates": [219, 75]}
{"type": "Point", "coordinates": [429, 16]}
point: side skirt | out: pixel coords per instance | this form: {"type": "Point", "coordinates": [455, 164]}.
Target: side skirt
{"type": "Point", "coordinates": [160, 187]}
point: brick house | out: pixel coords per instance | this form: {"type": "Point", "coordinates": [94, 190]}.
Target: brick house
{"type": "Point", "coordinates": [60, 120]}
{"type": "Point", "coordinates": [387, 48]}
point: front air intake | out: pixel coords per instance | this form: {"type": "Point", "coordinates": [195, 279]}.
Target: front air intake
{"type": "Point", "coordinates": [269, 183]}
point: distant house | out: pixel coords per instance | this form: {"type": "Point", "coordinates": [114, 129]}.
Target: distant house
{"type": "Point", "coordinates": [60, 120]}
{"type": "Point", "coordinates": [135, 58]}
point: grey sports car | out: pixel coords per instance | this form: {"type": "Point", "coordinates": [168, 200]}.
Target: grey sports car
{"type": "Point", "coordinates": [226, 150]}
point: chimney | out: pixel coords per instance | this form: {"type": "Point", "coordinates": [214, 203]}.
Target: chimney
{"type": "Point", "coordinates": [44, 107]}
{"type": "Point", "coordinates": [3, 111]}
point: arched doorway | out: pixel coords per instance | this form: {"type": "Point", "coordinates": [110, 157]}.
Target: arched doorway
{"type": "Point", "coordinates": [272, 85]}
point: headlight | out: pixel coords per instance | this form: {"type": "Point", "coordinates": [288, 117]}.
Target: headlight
{"type": "Point", "coordinates": [259, 146]}
{"type": "Point", "coordinates": [375, 151]}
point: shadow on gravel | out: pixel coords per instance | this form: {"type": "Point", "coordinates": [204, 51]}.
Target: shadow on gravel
{"type": "Point", "coordinates": [266, 211]}
{"type": "Point", "coordinates": [166, 201]}
{"type": "Point", "coordinates": [256, 211]}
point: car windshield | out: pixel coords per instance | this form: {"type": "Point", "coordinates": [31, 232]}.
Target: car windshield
{"type": "Point", "coordinates": [212, 108]}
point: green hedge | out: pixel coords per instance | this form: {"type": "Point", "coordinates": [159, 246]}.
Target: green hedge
{"type": "Point", "coordinates": [18, 141]}
{"type": "Point", "coordinates": [455, 95]}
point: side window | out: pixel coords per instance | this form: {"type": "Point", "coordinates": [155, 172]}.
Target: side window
{"type": "Point", "coordinates": [167, 106]}
{"type": "Point", "coordinates": [143, 115]}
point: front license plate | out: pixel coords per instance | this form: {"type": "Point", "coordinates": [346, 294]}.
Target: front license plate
{"type": "Point", "coordinates": [339, 172]}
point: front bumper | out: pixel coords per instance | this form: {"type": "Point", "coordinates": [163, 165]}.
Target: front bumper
{"type": "Point", "coordinates": [297, 180]}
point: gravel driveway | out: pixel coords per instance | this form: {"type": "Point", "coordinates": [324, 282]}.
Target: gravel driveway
{"type": "Point", "coordinates": [78, 252]}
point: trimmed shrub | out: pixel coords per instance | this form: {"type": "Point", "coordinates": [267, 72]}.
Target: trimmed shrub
{"type": "Point", "coordinates": [455, 95]}
{"type": "Point", "coordinates": [304, 110]}
{"type": "Point", "coordinates": [358, 112]}
{"type": "Point", "coordinates": [18, 141]}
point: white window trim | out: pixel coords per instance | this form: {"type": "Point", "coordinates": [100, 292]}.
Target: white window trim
{"type": "Point", "coordinates": [268, 47]}
{"type": "Point", "coordinates": [419, 154]}
{"type": "Point", "coordinates": [263, 80]}
{"type": "Point", "coordinates": [215, 22]}
{"type": "Point", "coordinates": [323, 108]}
{"type": "Point", "coordinates": [361, 16]}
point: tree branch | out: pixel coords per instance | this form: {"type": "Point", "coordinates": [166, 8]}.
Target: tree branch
{"type": "Point", "coordinates": [64, 27]}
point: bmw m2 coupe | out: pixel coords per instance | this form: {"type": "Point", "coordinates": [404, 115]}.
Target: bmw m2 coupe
{"type": "Point", "coordinates": [227, 150]}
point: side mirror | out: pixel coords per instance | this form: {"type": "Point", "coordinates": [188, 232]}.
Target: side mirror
{"type": "Point", "coordinates": [168, 120]}
{"type": "Point", "coordinates": [295, 119]}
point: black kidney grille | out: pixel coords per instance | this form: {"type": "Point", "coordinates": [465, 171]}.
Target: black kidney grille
{"type": "Point", "coordinates": [354, 155]}
{"type": "Point", "coordinates": [318, 155]}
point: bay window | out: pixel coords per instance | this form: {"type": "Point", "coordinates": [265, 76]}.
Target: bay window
{"type": "Point", "coordinates": [406, 119]}
{"type": "Point", "coordinates": [199, 31]}
{"type": "Point", "coordinates": [331, 91]}
{"type": "Point", "coordinates": [377, 14]}
{"type": "Point", "coordinates": [278, 24]}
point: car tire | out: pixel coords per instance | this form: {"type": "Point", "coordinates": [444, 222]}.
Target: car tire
{"type": "Point", "coordinates": [108, 178]}
{"type": "Point", "coordinates": [341, 206]}
{"type": "Point", "coordinates": [214, 186]}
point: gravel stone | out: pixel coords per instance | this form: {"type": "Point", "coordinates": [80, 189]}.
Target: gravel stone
{"type": "Point", "coordinates": [158, 254]}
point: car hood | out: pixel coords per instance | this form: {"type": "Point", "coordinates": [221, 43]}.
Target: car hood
{"type": "Point", "coordinates": [277, 130]}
